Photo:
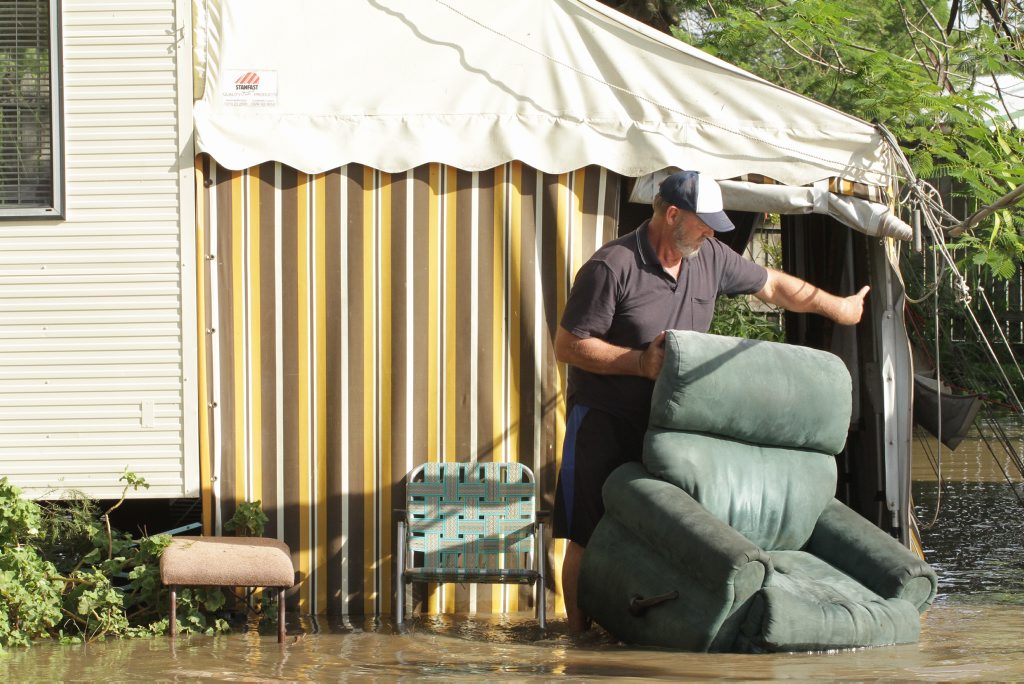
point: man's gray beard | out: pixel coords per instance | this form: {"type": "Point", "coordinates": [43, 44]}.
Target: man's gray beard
{"type": "Point", "coordinates": [688, 252]}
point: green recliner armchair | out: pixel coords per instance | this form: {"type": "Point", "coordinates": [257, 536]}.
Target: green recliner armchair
{"type": "Point", "coordinates": [728, 537]}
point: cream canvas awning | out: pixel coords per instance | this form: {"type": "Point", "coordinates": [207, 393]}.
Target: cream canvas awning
{"type": "Point", "coordinates": [557, 84]}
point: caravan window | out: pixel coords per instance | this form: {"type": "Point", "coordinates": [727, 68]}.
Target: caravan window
{"type": "Point", "coordinates": [31, 182]}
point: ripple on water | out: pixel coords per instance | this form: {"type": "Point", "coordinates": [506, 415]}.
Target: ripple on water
{"type": "Point", "coordinates": [977, 544]}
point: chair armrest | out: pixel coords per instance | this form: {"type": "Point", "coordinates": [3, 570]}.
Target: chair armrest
{"type": "Point", "coordinates": [848, 541]}
{"type": "Point", "coordinates": [656, 542]}
{"type": "Point", "coordinates": [670, 521]}
{"type": "Point", "coordinates": [398, 514]}
{"type": "Point", "coordinates": [543, 515]}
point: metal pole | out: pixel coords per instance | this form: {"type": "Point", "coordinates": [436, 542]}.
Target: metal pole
{"type": "Point", "coordinates": [400, 574]}
{"type": "Point", "coordinates": [916, 220]}
{"type": "Point", "coordinates": [174, 612]}
{"type": "Point", "coordinates": [541, 591]}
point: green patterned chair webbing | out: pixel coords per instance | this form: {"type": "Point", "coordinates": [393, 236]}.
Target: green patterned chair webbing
{"type": "Point", "coordinates": [471, 521]}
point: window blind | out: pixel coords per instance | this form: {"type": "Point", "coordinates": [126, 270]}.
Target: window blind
{"type": "Point", "coordinates": [28, 174]}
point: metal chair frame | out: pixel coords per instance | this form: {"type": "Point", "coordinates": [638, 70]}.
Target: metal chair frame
{"type": "Point", "coordinates": [470, 523]}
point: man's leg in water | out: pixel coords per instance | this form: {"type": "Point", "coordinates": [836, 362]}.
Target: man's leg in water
{"type": "Point", "coordinates": [596, 443]}
{"type": "Point", "coordinates": [578, 622]}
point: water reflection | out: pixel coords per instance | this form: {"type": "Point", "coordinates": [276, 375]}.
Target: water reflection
{"type": "Point", "coordinates": [979, 458]}
{"type": "Point", "coordinates": [969, 634]}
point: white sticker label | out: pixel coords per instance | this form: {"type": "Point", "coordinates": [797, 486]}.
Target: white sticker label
{"type": "Point", "coordinates": [252, 87]}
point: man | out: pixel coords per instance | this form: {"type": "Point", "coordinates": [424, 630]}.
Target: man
{"type": "Point", "coordinates": [663, 276]}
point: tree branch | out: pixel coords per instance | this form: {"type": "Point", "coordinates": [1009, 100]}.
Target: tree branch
{"type": "Point", "coordinates": [997, 18]}
{"type": "Point", "coordinates": [1002, 101]}
{"type": "Point", "coordinates": [926, 56]}
{"type": "Point", "coordinates": [931, 15]}
{"type": "Point", "coordinates": [954, 12]}
{"type": "Point", "coordinates": [977, 217]}
{"type": "Point", "coordinates": [809, 58]}
{"type": "Point", "coordinates": [74, 617]}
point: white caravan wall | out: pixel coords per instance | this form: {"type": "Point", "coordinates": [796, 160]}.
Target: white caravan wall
{"type": "Point", "coordinates": [97, 312]}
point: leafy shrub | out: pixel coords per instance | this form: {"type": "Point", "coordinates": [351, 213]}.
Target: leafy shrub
{"type": "Point", "coordinates": [735, 317]}
{"type": "Point", "coordinates": [249, 520]}
{"type": "Point", "coordinates": [64, 573]}
{"type": "Point", "coordinates": [29, 594]}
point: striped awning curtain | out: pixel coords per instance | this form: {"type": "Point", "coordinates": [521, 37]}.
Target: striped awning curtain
{"type": "Point", "coordinates": [355, 324]}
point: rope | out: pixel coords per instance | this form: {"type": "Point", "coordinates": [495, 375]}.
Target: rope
{"type": "Point", "coordinates": [928, 453]}
{"type": "Point", "coordinates": [1006, 342]}
{"type": "Point", "coordinates": [995, 458]}
{"type": "Point", "coordinates": [938, 403]}
{"type": "Point", "coordinates": [995, 359]}
{"type": "Point", "coordinates": [939, 222]}
{"type": "Point", "coordinates": [934, 216]}
{"type": "Point", "coordinates": [1004, 440]}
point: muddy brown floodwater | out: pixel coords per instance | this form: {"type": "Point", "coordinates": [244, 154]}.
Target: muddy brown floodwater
{"type": "Point", "coordinates": [958, 642]}
{"type": "Point", "coordinates": [973, 632]}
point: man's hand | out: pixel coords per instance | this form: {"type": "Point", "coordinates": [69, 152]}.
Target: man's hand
{"type": "Point", "coordinates": [597, 356]}
{"type": "Point", "coordinates": [652, 358]}
{"type": "Point", "coordinates": [852, 308]}
{"type": "Point", "coordinates": [799, 296]}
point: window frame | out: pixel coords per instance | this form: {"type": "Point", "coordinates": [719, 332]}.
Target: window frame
{"type": "Point", "coordinates": [56, 209]}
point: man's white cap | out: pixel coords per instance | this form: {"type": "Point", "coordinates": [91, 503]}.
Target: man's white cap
{"type": "Point", "coordinates": [693, 191]}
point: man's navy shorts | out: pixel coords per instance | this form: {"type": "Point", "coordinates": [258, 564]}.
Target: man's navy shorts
{"type": "Point", "coordinates": [596, 443]}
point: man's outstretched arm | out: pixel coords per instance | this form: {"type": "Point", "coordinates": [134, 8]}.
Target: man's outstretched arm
{"type": "Point", "coordinates": [799, 296]}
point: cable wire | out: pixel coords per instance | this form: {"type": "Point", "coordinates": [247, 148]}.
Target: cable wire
{"type": "Point", "coordinates": [939, 222]}
{"type": "Point", "coordinates": [938, 403]}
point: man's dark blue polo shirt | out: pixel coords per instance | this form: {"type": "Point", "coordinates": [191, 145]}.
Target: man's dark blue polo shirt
{"type": "Point", "coordinates": [623, 296]}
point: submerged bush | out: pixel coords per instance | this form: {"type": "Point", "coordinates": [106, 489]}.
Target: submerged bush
{"type": "Point", "coordinates": [64, 573]}
{"type": "Point", "coordinates": [30, 597]}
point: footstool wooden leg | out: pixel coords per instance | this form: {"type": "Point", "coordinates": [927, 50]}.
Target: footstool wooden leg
{"type": "Point", "coordinates": [280, 615]}
{"type": "Point", "coordinates": [174, 611]}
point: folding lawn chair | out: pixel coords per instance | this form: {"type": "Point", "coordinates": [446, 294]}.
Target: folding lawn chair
{"type": "Point", "coordinates": [470, 523]}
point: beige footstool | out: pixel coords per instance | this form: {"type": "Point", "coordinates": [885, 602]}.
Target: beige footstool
{"type": "Point", "coordinates": [227, 562]}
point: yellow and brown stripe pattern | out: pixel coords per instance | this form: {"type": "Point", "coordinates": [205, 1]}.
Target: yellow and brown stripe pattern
{"type": "Point", "coordinates": [355, 324]}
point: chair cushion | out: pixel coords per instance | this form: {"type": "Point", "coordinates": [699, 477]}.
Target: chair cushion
{"type": "Point", "coordinates": [807, 604]}
{"type": "Point", "coordinates": [756, 391]}
{"type": "Point", "coordinates": [772, 496]}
